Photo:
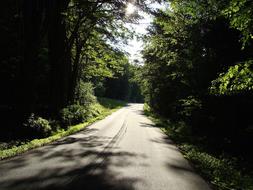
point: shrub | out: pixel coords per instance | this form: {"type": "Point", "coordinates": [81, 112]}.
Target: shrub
{"type": "Point", "coordinates": [86, 94]}
{"type": "Point", "coordinates": [39, 127]}
{"type": "Point", "coordinates": [147, 110]}
{"type": "Point", "coordinates": [220, 171]}
{"type": "Point", "coordinates": [99, 89]}
{"type": "Point", "coordinates": [189, 105]}
{"type": "Point", "coordinates": [95, 110]}
{"type": "Point", "coordinates": [73, 114]}
{"type": "Point", "coordinates": [56, 126]}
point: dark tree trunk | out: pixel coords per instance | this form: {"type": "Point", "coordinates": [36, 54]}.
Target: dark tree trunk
{"type": "Point", "coordinates": [59, 56]}
{"type": "Point", "coordinates": [75, 73]}
{"type": "Point", "coordinates": [32, 17]}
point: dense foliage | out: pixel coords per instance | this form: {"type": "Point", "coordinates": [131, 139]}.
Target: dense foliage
{"type": "Point", "coordinates": [55, 53]}
{"type": "Point", "coordinates": [221, 170]}
{"type": "Point", "coordinates": [202, 51]}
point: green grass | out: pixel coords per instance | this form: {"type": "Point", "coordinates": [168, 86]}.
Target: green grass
{"type": "Point", "coordinates": [222, 171]}
{"type": "Point", "coordinates": [110, 103]}
{"type": "Point", "coordinates": [104, 108]}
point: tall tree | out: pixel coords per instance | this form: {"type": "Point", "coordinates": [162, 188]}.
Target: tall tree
{"type": "Point", "coordinates": [189, 45]}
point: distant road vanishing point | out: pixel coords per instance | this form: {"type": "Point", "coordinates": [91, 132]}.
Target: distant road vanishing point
{"type": "Point", "coordinates": [125, 151]}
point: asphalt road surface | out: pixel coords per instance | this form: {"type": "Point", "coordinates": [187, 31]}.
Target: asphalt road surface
{"type": "Point", "coordinates": [125, 151]}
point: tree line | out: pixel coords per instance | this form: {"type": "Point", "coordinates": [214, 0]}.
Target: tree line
{"type": "Point", "coordinates": [202, 51]}
{"type": "Point", "coordinates": [54, 50]}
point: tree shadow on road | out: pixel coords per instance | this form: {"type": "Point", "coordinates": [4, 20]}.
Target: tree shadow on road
{"type": "Point", "coordinates": [93, 176]}
{"type": "Point", "coordinates": [72, 163]}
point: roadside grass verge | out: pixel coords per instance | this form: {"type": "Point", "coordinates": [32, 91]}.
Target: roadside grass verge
{"type": "Point", "coordinates": [104, 107]}
{"type": "Point", "coordinates": [110, 103]}
{"type": "Point", "coordinates": [224, 172]}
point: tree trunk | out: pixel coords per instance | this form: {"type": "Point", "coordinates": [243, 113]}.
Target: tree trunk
{"type": "Point", "coordinates": [32, 18]}
{"type": "Point", "coordinates": [75, 73]}
{"type": "Point", "coordinates": [59, 56]}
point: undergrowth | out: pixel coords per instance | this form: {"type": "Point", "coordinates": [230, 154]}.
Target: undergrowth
{"type": "Point", "coordinates": [221, 170]}
{"type": "Point", "coordinates": [98, 111]}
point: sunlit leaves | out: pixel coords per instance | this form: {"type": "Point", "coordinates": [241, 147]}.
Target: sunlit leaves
{"type": "Point", "coordinates": [238, 79]}
{"type": "Point", "coordinates": [240, 13]}
{"type": "Point", "coordinates": [100, 59]}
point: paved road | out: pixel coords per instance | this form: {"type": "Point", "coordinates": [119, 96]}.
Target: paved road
{"type": "Point", "coordinates": [122, 152]}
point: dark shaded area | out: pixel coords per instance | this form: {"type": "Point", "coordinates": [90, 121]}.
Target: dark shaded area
{"type": "Point", "coordinates": [28, 69]}
{"type": "Point", "coordinates": [50, 61]}
{"type": "Point", "coordinates": [75, 175]}
{"type": "Point", "coordinates": [181, 67]}
{"type": "Point", "coordinates": [84, 177]}
{"type": "Point", "coordinates": [125, 86]}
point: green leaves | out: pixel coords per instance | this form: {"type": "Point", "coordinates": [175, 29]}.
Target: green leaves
{"type": "Point", "coordinates": [240, 12]}
{"type": "Point", "coordinates": [238, 79]}
{"type": "Point", "coordinates": [101, 59]}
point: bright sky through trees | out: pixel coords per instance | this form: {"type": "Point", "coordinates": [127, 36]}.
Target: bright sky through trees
{"type": "Point", "coordinates": [135, 45]}
{"type": "Point", "coordinates": [130, 9]}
